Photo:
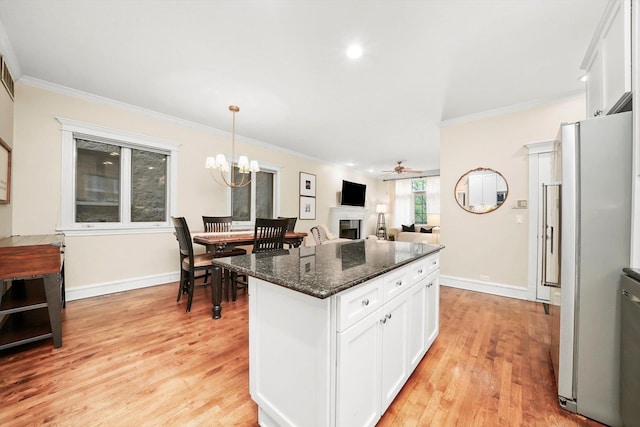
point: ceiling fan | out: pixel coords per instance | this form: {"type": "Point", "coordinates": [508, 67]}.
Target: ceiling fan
{"type": "Point", "coordinates": [402, 169]}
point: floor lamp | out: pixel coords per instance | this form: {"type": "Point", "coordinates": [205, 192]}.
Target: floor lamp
{"type": "Point", "coordinates": [381, 228]}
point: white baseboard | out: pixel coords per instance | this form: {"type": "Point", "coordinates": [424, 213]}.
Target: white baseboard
{"type": "Point", "coordinates": [485, 287]}
{"type": "Point", "coordinates": [98, 289]}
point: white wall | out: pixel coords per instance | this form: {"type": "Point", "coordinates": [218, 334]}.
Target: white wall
{"type": "Point", "coordinates": [488, 252]}
{"type": "Point", "coordinates": [99, 264]}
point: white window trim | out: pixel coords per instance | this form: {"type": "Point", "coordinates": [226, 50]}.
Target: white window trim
{"type": "Point", "coordinates": [72, 128]}
{"type": "Point", "coordinates": [275, 170]}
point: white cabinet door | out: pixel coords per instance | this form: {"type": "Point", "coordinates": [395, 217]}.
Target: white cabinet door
{"type": "Point", "coordinates": [433, 308]}
{"type": "Point", "coordinates": [395, 342]}
{"type": "Point", "coordinates": [608, 61]}
{"type": "Point", "coordinates": [418, 309]}
{"type": "Point", "coordinates": [616, 46]}
{"type": "Point", "coordinates": [358, 375]}
{"type": "Point", "coordinates": [595, 87]}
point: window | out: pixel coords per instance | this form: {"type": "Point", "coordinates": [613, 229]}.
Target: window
{"type": "Point", "coordinates": [115, 182]}
{"type": "Point", "coordinates": [256, 200]}
{"type": "Point", "coordinates": [415, 199]}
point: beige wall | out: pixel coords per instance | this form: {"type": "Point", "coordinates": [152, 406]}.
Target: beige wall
{"type": "Point", "coordinates": [493, 245]}
{"type": "Point", "coordinates": [122, 259]}
{"type": "Point", "coordinates": [6, 133]}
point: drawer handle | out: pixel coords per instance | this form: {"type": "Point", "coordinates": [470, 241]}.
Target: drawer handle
{"type": "Point", "coordinates": [365, 302]}
{"type": "Point", "coordinates": [383, 320]}
{"type": "Point", "coordinates": [420, 271]}
{"type": "Point", "coordinates": [388, 316]}
{"type": "Point", "coordinates": [399, 283]}
{"type": "Point", "coordinates": [434, 262]}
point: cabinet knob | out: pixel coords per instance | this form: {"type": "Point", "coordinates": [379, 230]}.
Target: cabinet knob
{"type": "Point", "coordinates": [420, 271]}
{"type": "Point", "coordinates": [399, 283]}
{"type": "Point", "coordinates": [365, 302]}
{"type": "Point", "coordinates": [598, 113]}
{"type": "Point", "coordinates": [388, 316]}
{"type": "Point", "coordinates": [383, 320]}
{"type": "Point", "coordinates": [430, 285]}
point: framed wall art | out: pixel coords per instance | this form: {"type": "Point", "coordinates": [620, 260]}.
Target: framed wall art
{"type": "Point", "coordinates": [307, 184]}
{"type": "Point", "coordinates": [307, 207]}
{"type": "Point", "coordinates": [5, 173]}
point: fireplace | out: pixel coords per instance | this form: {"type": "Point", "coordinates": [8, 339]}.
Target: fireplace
{"type": "Point", "coordinates": [347, 222]}
{"type": "Point", "coordinates": [350, 228]}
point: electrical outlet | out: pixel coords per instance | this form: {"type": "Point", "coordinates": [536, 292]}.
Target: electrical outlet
{"type": "Point", "coordinates": [484, 277]}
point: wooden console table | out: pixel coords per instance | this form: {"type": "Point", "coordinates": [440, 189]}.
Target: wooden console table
{"type": "Point", "coordinates": [31, 289]}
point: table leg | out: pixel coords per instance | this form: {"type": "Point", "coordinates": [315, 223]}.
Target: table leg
{"type": "Point", "coordinates": [54, 305]}
{"type": "Point", "coordinates": [216, 292]}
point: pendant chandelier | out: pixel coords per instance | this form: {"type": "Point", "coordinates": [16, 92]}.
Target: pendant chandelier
{"type": "Point", "coordinates": [219, 162]}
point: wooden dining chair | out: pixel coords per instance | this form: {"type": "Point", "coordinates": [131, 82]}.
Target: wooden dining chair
{"type": "Point", "coordinates": [217, 223]}
{"type": "Point", "coordinates": [190, 264]}
{"type": "Point", "coordinates": [221, 224]}
{"type": "Point", "coordinates": [291, 225]}
{"type": "Point", "coordinates": [269, 234]}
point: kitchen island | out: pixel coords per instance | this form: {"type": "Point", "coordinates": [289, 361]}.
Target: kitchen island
{"type": "Point", "coordinates": [336, 330]}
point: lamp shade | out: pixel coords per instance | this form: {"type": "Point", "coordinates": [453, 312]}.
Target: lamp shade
{"type": "Point", "coordinates": [381, 208]}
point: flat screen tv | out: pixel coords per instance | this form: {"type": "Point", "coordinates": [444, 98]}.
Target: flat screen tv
{"type": "Point", "coordinates": [353, 194]}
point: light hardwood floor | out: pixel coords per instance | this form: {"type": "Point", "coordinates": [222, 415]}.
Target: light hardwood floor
{"type": "Point", "coordinates": [137, 359]}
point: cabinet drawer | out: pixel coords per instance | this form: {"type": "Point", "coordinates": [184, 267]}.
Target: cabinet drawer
{"type": "Point", "coordinates": [433, 263]}
{"type": "Point", "coordinates": [420, 270]}
{"type": "Point", "coordinates": [396, 282]}
{"type": "Point", "coordinates": [356, 304]}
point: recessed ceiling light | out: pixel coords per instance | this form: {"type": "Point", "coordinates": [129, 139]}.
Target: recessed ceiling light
{"type": "Point", "coordinates": [354, 51]}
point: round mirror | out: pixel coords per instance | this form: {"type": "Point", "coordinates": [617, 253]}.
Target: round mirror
{"type": "Point", "coordinates": [481, 190]}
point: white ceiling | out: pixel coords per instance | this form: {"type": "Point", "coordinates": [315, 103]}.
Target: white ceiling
{"type": "Point", "coordinates": [283, 63]}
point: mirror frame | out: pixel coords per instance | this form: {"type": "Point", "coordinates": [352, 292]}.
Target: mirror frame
{"type": "Point", "coordinates": [480, 169]}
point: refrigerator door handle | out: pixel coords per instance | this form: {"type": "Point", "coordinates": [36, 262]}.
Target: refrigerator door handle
{"type": "Point", "coordinates": [631, 296]}
{"type": "Point", "coordinates": [548, 238]}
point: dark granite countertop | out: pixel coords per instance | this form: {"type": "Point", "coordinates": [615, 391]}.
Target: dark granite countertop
{"type": "Point", "coordinates": [322, 271]}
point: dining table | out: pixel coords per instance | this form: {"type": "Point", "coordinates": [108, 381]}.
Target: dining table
{"type": "Point", "coordinates": [225, 241]}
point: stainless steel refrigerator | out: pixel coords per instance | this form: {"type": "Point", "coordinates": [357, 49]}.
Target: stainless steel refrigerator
{"type": "Point", "coordinates": [586, 244]}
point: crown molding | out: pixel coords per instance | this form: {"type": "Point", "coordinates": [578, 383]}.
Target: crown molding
{"type": "Point", "coordinates": [509, 109]}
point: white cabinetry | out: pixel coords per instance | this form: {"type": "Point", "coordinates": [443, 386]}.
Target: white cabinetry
{"type": "Point", "coordinates": [395, 346]}
{"type": "Point", "coordinates": [540, 173]}
{"type": "Point", "coordinates": [359, 366]}
{"type": "Point", "coordinates": [608, 61]}
{"type": "Point", "coordinates": [393, 340]}
{"type": "Point", "coordinates": [433, 309]}
{"type": "Point", "coordinates": [339, 361]}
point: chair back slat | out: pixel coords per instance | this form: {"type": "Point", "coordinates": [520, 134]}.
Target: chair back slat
{"type": "Point", "coordinates": [216, 223]}
{"type": "Point", "coordinates": [269, 234]}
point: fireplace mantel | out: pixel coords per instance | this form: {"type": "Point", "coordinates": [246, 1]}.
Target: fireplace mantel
{"type": "Point", "coordinates": [346, 213]}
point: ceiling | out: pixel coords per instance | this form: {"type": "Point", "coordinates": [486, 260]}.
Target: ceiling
{"type": "Point", "coordinates": [284, 63]}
